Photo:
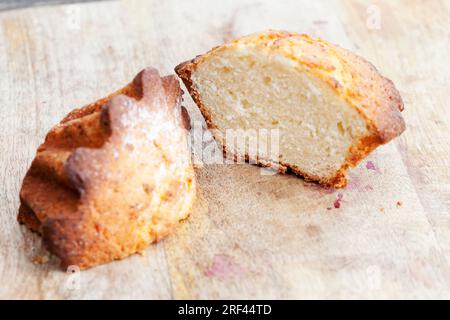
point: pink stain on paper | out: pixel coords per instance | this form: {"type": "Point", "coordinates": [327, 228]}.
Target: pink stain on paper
{"type": "Point", "coordinates": [223, 267]}
{"type": "Point", "coordinates": [337, 202]}
{"type": "Point", "coordinates": [370, 165]}
{"type": "Point", "coordinates": [355, 183]}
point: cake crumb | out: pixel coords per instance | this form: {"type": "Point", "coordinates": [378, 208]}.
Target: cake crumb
{"type": "Point", "coordinates": [142, 253]}
{"type": "Point", "coordinates": [39, 259]}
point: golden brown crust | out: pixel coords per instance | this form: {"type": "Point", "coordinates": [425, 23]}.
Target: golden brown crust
{"type": "Point", "coordinates": [113, 176]}
{"type": "Point", "coordinates": [351, 77]}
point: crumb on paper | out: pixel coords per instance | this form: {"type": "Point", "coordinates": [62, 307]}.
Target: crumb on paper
{"type": "Point", "coordinates": [38, 259]}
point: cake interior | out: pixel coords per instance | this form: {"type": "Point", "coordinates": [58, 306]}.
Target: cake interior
{"type": "Point", "coordinates": [250, 89]}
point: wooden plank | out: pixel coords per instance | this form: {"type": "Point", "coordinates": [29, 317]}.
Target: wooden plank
{"type": "Point", "coordinates": [48, 55]}
{"type": "Point", "coordinates": [411, 45]}
{"type": "Point", "coordinates": [250, 235]}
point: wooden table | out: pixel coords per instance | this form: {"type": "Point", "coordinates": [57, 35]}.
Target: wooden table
{"type": "Point", "coordinates": [250, 235]}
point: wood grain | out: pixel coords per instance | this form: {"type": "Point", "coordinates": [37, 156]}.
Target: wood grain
{"type": "Point", "coordinates": [250, 235]}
